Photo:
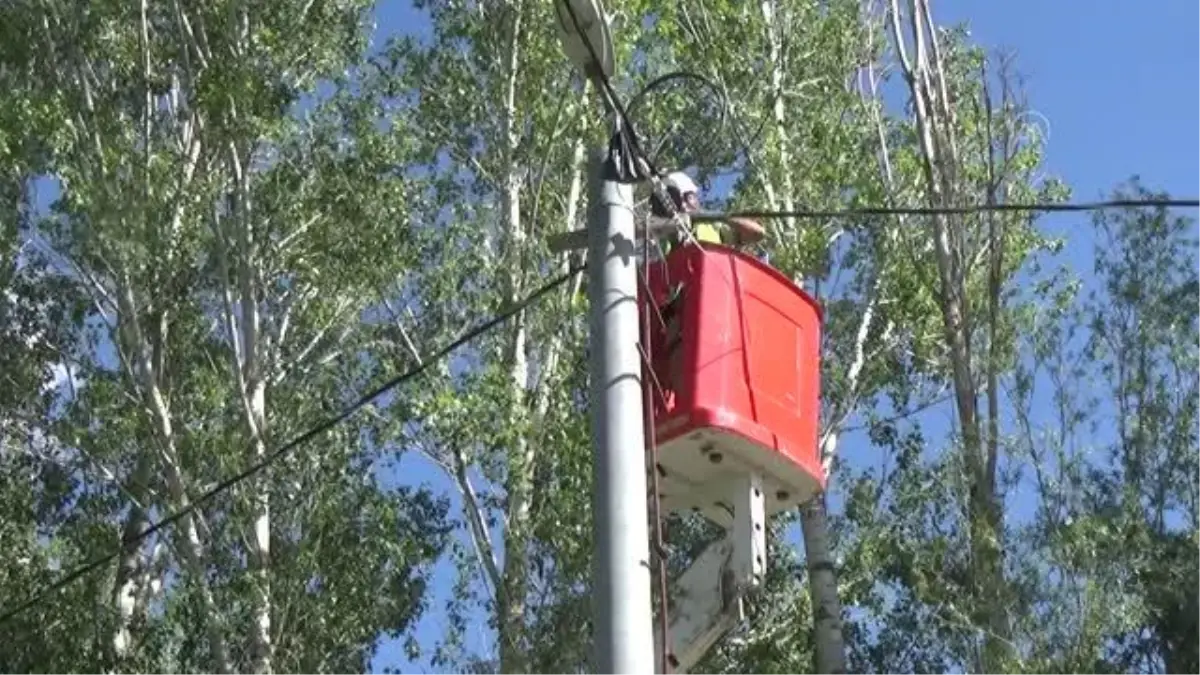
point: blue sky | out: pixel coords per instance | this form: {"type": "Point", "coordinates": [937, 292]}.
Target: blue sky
{"type": "Point", "coordinates": [1118, 82]}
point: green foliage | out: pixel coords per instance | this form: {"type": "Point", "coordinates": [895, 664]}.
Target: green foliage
{"type": "Point", "coordinates": [212, 162]}
{"type": "Point", "coordinates": [190, 198]}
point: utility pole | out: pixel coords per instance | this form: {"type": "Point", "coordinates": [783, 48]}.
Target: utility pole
{"type": "Point", "coordinates": [624, 617]}
{"type": "Point", "coordinates": [709, 595]}
{"type": "Point", "coordinates": [624, 633]}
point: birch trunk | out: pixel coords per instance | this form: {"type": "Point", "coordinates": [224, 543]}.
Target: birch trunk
{"type": "Point", "coordinates": [250, 368]}
{"type": "Point", "coordinates": [774, 26]}
{"type": "Point", "coordinates": [822, 578]}
{"type": "Point", "coordinates": [188, 536]}
{"type": "Point", "coordinates": [126, 588]}
{"type": "Point", "coordinates": [131, 578]}
{"type": "Point", "coordinates": [822, 585]}
{"type": "Point", "coordinates": [829, 640]}
{"type": "Point", "coordinates": [514, 581]}
{"type": "Point", "coordinates": [814, 520]}
{"type": "Point", "coordinates": [924, 74]}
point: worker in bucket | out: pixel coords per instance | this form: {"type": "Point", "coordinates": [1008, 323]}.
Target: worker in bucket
{"type": "Point", "coordinates": [685, 196]}
{"type": "Point", "coordinates": [735, 232]}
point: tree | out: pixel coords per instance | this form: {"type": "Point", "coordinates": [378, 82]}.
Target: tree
{"type": "Point", "coordinates": [846, 142]}
{"type": "Point", "coordinates": [255, 219]}
{"type": "Point", "coordinates": [796, 123]}
{"type": "Point", "coordinates": [222, 264]}
{"type": "Point", "coordinates": [968, 140]}
{"type": "Point", "coordinates": [1113, 544]}
{"type": "Point", "coordinates": [500, 132]}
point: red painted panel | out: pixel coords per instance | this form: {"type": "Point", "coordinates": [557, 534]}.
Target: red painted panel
{"type": "Point", "coordinates": [737, 350]}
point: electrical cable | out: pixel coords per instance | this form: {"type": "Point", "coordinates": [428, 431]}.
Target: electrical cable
{"type": "Point", "coordinates": [641, 166]}
{"type": "Point", "coordinates": [286, 448]}
{"type": "Point", "coordinates": [601, 77]}
{"type": "Point", "coordinates": [723, 107]}
{"type": "Point", "coordinates": [676, 75]}
{"type": "Point", "coordinates": [648, 398]}
{"type": "Point", "coordinates": [626, 136]}
{"type": "Point", "coordinates": [627, 130]}
{"type": "Point", "coordinates": [726, 119]}
{"type": "Point", "coordinates": [626, 139]}
{"type": "Point", "coordinates": [709, 216]}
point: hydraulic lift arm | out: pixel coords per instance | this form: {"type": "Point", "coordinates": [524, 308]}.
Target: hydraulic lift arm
{"type": "Point", "coordinates": [707, 598]}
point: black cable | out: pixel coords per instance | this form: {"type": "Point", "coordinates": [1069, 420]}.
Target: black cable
{"type": "Point", "coordinates": [626, 155]}
{"type": "Point", "coordinates": [676, 75]}
{"type": "Point", "coordinates": [625, 136]}
{"type": "Point", "coordinates": [630, 138]}
{"type": "Point", "coordinates": [295, 442]}
{"type": "Point", "coordinates": [950, 210]}
{"type": "Point", "coordinates": [724, 113]}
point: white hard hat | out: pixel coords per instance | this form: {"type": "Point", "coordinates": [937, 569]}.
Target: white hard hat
{"type": "Point", "coordinates": [681, 182]}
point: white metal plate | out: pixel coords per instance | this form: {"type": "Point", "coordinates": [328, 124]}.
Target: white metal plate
{"type": "Point", "coordinates": [690, 480]}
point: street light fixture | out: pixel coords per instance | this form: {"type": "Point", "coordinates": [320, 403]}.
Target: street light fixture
{"type": "Point", "coordinates": [582, 23]}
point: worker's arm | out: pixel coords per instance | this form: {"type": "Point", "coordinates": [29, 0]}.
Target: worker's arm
{"type": "Point", "coordinates": [745, 231]}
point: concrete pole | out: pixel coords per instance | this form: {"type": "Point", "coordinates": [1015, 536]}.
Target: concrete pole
{"type": "Point", "coordinates": [624, 633]}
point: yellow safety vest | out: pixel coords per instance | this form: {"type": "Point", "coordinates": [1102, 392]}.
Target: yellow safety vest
{"type": "Point", "coordinates": [709, 233]}
{"type": "Point", "coordinates": [705, 233]}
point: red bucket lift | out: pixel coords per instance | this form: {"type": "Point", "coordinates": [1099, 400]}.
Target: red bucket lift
{"type": "Point", "coordinates": [734, 354]}
{"type": "Point", "coordinates": [737, 355]}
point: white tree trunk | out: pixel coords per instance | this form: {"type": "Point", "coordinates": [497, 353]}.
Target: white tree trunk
{"type": "Point", "coordinates": [925, 75]}
{"type": "Point", "coordinates": [262, 649]}
{"type": "Point", "coordinates": [775, 26]}
{"type": "Point", "coordinates": [126, 588]}
{"type": "Point", "coordinates": [822, 578]}
{"type": "Point", "coordinates": [252, 380]}
{"type": "Point", "coordinates": [133, 571]}
{"type": "Point", "coordinates": [514, 580]}
{"type": "Point", "coordinates": [814, 521]}
{"type": "Point", "coordinates": [139, 582]}
{"type": "Point", "coordinates": [190, 544]}
{"type": "Point", "coordinates": [520, 373]}
{"type": "Point", "coordinates": [827, 608]}
{"type": "Point", "coordinates": [481, 539]}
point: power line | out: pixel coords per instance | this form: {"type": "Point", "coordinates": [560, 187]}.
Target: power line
{"type": "Point", "coordinates": [277, 454]}
{"type": "Point", "coordinates": [629, 136]}
{"type": "Point", "coordinates": [952, 210]}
